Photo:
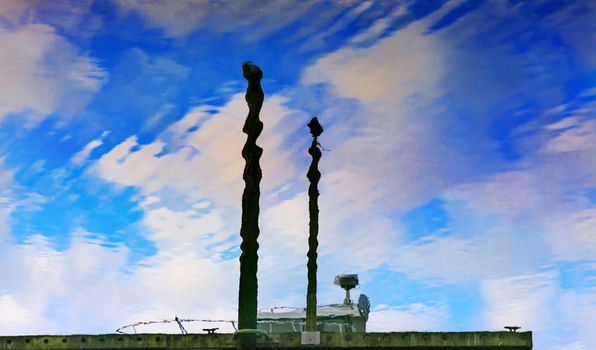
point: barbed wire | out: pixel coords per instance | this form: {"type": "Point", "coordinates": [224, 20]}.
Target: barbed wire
{"type": "Point", "coordinates": [176, 320]}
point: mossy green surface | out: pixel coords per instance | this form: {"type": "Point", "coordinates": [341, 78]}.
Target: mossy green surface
{"type": "Point", "coordinates": [390, 340]}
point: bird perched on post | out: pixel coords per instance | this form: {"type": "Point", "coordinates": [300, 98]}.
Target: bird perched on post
{"type": "Point", "coordinates": [315, 127]}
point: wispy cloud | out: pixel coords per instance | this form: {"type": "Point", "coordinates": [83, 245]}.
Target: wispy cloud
{"type": "Point", "coordinates": [414, 317]}
{"type": "Point", "coordinates": [81, 157]}
{"type": "Point", "coordinates": [184, 17]}
{"type": "Point", "coordinates": [380, 26]}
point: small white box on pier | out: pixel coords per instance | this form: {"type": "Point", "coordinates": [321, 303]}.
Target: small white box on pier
{"type": "Point", "coordinates": [310, 338]}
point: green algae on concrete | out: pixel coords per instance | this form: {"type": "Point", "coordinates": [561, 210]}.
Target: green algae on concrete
{"type": "Point", "coordinates": [389, 340]}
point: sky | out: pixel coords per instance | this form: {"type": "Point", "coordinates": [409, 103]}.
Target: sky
{"type": "Point", "coordinates": [458, 170]}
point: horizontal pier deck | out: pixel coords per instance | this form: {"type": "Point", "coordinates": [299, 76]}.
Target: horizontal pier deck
{"type": "Point", "coordinates": [389, 340]}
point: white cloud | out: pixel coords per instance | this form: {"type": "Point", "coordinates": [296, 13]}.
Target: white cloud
{"type": "Point", "coordinates": [321, 38]}
{"type": "Point", "coordinates": [185, 231]}
{"type": "Point", "coordinates": [379, 26]}
{"type": "Point", "coordinates": [563, 123]}
{"type": "Point", "coordinates": [184, 284]}
{"type": "Point", "coordinates": [522, 300]}
{"type": "Point", "coordinates": [395, 81]}
{"type": "Point", "coordinates": [571, 235]}
{"type": "Point", "coordinates": [579, 312]}
{"type": "Point", "coordinates": [43, 73]}
{"type": "Point", "coordinates": [542, 191]}
{"type": "Point", "coordinates": [203, 165]}
{"type": "Point", "coordinates": [91, 289]}
{"type": "Point", "coordinates": [7, 204]}
{"type": "Point", "coordinates": [405, 144]}
{"type": "Point", "coordinates": [81, 157]}
{"type": "Point", "coordinates": [285, 234]}
{"type": "Point", "coordinates": [578, 33]}
{"type": "Point", "coordinates": [506, 193]}
{"type": "Point", "coordinates": [73, 17]}
{"type": "Point", "coordinates": [591, 92]}
{"type": "Point", "coordinates": [158, 116]}
{"type": "Point", "coordinates": [579, 137]}
{"type": "Point", "coordinates": [414, 317]}
{"type": "Point", "coordinates": [571, 346]}
{"type": "Point", "coordinates": [206, 162]}
{"type": "Point", "coordinates": [85, 264]}
{"type": "Point", "coordinates": [181, 18]}
{"type": "Point", "coordinates": [178, 18]}
{"type": "Point", "coordinates": [392, 70]}
{"type": "Point", "coordinates": [14, 316]}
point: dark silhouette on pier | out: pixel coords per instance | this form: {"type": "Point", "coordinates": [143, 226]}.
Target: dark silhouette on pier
{"type": "Point", "coordinates": [249, 230]}
{"type": "Point", "coordinates": [313, 175]}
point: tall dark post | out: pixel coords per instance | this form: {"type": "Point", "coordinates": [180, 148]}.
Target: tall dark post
{"type": "Point", "coordinates": [313, 176]}
{"type": "Point", "coordinates": [247, 298]}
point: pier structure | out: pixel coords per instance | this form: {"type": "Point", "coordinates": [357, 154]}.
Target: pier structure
{"type": "Point", "coordinates": [291, 340]}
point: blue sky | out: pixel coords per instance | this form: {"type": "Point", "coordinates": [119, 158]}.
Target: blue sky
{"type": "Point", "coordinates": [459, 177]}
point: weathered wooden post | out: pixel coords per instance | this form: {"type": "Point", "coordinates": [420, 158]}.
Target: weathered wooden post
{"type": "Point", "coordinates": [313, 176]}
{"type": "Point", "coordinates": [249, 230]}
